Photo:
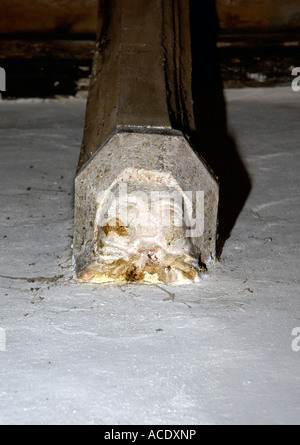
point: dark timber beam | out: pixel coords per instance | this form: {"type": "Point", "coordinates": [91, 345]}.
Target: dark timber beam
{"type": "Point", "coordinates": [145, 203]}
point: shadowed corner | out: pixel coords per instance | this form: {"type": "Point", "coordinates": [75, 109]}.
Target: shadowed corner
{"type": "Point", "coordinates": [212, 139]}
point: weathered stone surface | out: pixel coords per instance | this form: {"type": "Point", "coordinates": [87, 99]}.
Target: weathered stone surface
{"type": "Point", "coordinates": [146, 251]}
{"type": "Point", "coordinates": [139, 116]}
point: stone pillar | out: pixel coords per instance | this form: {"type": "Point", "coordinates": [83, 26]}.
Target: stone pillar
{"type": "Point", "coordinates": [145, 203]}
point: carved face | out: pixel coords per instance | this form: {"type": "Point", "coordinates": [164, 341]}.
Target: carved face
{"type": "Point", "coordinates": [145, 221]}
{"type": "Point", "coordinates": [141, 237]}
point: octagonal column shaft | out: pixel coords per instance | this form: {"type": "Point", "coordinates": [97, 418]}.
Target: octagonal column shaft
{"type": "Point", "coordinates": [139, 113]}
{"type": "Point", "coordinates": [141, 76]}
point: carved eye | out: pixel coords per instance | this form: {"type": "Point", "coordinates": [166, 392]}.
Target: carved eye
{"type": "Point", "coordinates": [171, 213]}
